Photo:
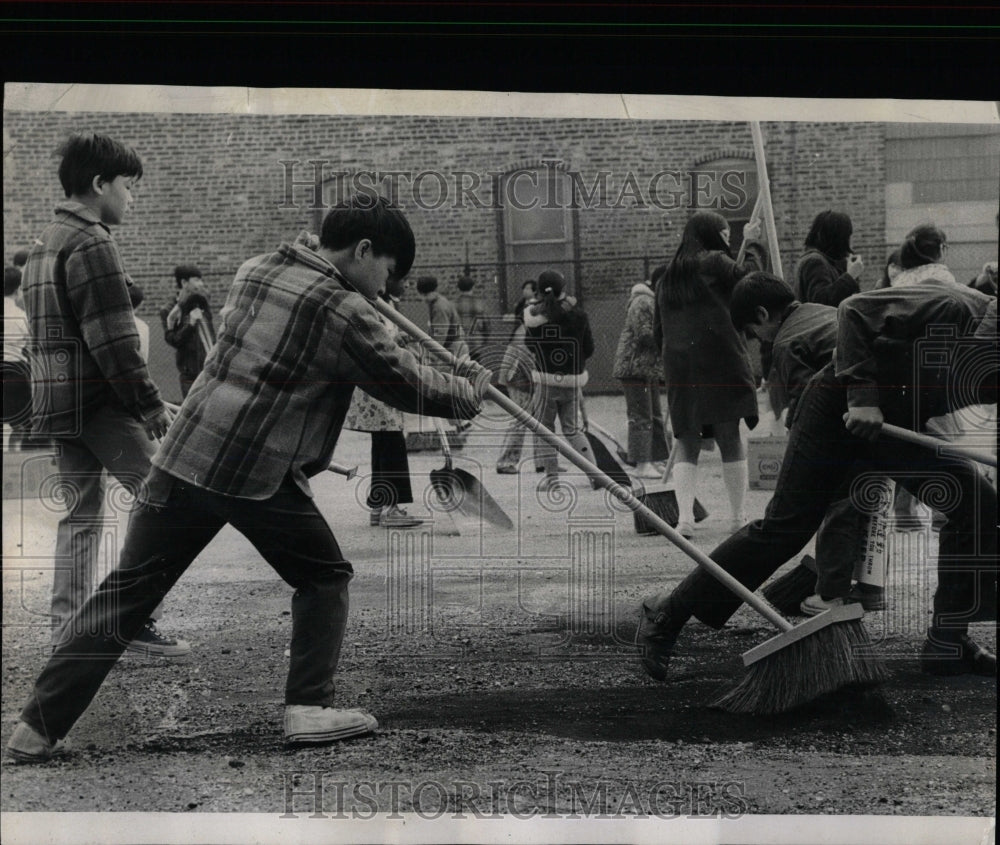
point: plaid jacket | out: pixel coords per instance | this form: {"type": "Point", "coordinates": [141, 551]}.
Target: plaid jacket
{"type": "Point", "coordinates": [84, 348]}
{"type": "Point", "coordinates": [294, 342]}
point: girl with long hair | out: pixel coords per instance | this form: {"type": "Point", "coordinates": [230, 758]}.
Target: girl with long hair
{"type": "Point", "coordinates": [709, 378]}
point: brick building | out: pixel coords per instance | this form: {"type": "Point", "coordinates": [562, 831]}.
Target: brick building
{"type": "Point", "coordinates": [604, 200]}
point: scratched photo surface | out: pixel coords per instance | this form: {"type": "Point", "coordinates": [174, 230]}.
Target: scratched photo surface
{"type": "Point", "coordinates": [492, 626]}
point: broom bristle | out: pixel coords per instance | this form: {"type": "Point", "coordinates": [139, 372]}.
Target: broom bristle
{"type": "Point", "coordinates": [833, 657]}
{"type": "Point", "coordinates": [791, 589]}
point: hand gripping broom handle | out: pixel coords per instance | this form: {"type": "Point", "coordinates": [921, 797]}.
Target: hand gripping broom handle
{"type": "Point", "coordinates": [623, 494]}
{"type": "Point", "coordinates": [917, 439]}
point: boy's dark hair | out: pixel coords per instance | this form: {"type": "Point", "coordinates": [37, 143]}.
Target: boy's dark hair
{"type": "Point", "coordinates": [87, 156]}
{"type": "Point", "coordinates": [532, 283]}
{"type": "Point", "coordinates": [893, 259]}
{"type": "Point", "coordinates": [183, 272]}
{"type": "Point", "coordinates": [923, 245]}
{"type": "Point", "coordinates": [830, 234]}
{"type": "Point", "coordinates": [657, 276]}
{"type": "Point", "coordinates": [755, 290]}
{"type": "Point", "coordinates": [11, 280]}
{"type": "Point", "coordinates": [378, 220]}
{"type": "Point", "coordinates": [20, 258]}
{"type": "Point", "coordinates": [426, 285]}
{"type": "Point", "coordinates": [466, 283]}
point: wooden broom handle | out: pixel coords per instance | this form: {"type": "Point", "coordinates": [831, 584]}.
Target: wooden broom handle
{"type": "Point", "coordinates": [623, 494]}
{"type": "Point", "coordinates": [753, 216]}
{"type": "Point", "coordinates": [764, 188]}
{"type": "Point", "coordinates": [936, 443]}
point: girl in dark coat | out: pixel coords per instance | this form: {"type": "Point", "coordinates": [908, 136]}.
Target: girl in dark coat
{"type": "Point", "coordinates": [710, 383]}
{"type": "Point", "coordinates": [828, 270]}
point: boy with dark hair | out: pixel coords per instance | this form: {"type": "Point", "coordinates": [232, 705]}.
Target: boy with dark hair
{"type": "Point", "coordinates": [834, 443]}
{"type": "Point", "coordinates": [803, 336]}
{"type": "Point", "coordinates": [263, 417]}
{"type": "Point", "coordinates": [443, 319]}
{"type": "Point", "coordinates": [92, 393]}
{"type": "Point", "coordinates": [187, 326]}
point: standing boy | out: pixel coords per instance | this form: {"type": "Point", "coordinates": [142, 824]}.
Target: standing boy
{"type": "Point", "coordinates": [91, 390]}
{"type": "Point", "coordinates": [834, 442]}
{"type": "Point", "coordinates": [187, 326]}
{"type": "Point", "coordinates": [298, 335]}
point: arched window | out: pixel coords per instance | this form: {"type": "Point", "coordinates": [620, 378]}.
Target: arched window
{"type": "Point", "coordinates": [725, 182]}
{"type": "Point", "coordinates": [536, 225]}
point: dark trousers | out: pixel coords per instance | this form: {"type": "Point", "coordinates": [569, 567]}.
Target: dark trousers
{"type": "Point", "coordinates": [840, 544]}
{"type": "Point", "coordinates": [824, 463]}
{"type": "Point", "coordinates": [161, 543]}
{"type": "Point", "coordinates": [390, 483]}
{"type": "Point", "coordinates": [647, 439]}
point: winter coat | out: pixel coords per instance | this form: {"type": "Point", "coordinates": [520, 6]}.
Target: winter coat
{"type": "Point", "coordinates": [819, 279]}
{"type": "Point", "coordinates": [366, 413]}
{"type": "Point", "coordinates": [709, 378]}
{"type": "Point", "coordinates": [916, 275]}
{"type": "Point", "coordinates": [637, 357]}
{"type": "Point", "coordinates": [560, 347]}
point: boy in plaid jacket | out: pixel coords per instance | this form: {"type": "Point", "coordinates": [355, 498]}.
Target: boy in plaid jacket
{"type": "Point", "coordinates": [298, 335]}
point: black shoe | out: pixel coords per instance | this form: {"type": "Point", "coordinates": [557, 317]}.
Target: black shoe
{"type": "Point", "coordinates": [872, 599]}
{"type": "Point", "coordinates": [151, 643]}
{"type": "Point", "coordinates": [965, 657]}
{"type": "Point", "coordinates": [655, 638]}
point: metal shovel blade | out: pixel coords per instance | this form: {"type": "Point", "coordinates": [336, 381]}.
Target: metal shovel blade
{"type": "Point", "coordinates": [461, 491]}
{"type": "Point", "coordinates": [606, 463]}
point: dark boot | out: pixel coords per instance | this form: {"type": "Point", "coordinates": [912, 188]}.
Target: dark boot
{"type": "Point", "coordinates": [949, 653]}
{"type": "Point", "coordinates": [660, 621]}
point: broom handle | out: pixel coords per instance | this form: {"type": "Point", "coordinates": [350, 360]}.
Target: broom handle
{"type": "Point", "coordinates": [753, 216]}
{"type": "Point", "coordinates": [764, 187]}
{"type": "Point", "coordinates": [917, 439]}
{"type": "Point", "coordinates": [623, 494]}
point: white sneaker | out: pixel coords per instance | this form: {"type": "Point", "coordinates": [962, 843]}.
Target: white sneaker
{"type": "Point", "coordinates": [816, 604]}
{"type": "Point", "coordinates": [396, 517]}
{"type": "Point", "coordinates": [312, 724]}
{"type": "Point", "coordinates": [647, 470]}
{"type": "Point", "coordinates": [685, 529]}
{"type": "Point", "coordinates": [26, 745]}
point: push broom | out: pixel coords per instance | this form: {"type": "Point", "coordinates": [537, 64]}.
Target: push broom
{"type": "Point", "coordinates": [821, 655]}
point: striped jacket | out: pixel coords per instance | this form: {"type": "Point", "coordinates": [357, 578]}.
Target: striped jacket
{"type": "Point", "coordinates": [294, 342]}
{"type": "Point", "coordinates": [84, 348]}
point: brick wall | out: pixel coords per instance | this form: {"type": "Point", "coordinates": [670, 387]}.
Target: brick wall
{"type": "Point", "coordinates": [213, 192]}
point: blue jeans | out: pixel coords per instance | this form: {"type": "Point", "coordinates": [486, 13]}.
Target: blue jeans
{"type": "Point", "coordinates": [821, 463]}
{"type": "Point", "coordinates": [647, 441]}
{"type": "Point", "coordinates": [110, 439]}
{"type": "Point", "coordinates": [563, 402]}
{"type": "Point", "coordinates": [286, 529]}
{"type": "Point", "coordinates": [513, 440]}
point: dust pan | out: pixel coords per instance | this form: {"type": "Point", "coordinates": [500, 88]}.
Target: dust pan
{"type": "Point", "coordinates": [460, 491]}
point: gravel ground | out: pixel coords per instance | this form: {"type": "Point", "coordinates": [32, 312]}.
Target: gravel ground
{"type": "Point", "coordinates": [501, 669]}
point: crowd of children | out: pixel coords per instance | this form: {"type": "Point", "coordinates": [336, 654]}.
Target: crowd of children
{"type": "Point", "coordinates": [301, 353]}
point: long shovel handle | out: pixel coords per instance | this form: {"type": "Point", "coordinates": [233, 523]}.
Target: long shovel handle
{"type": "Point", "coordinates": [764, 187]}
{"type": "Point", "coordinates": [623, 494]}
{"type": "Point", "coordinates": [443, 437]}
{"type": "Point", "coordinates": [343, 469]}
{"type": "Point", "coordinates": [937, 443]}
